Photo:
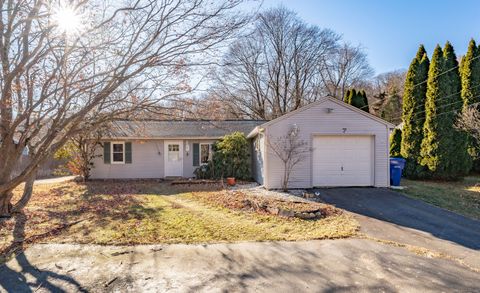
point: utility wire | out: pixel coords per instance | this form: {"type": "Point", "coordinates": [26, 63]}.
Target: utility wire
{"type": "Point", "coordinates": [440, 99]}
{"type": "Point", "coordinates": [446, 112]}
{"type": "Point", "coordinates": [442, 73]}
{"type": "Point", "coordinates": [443, 98]}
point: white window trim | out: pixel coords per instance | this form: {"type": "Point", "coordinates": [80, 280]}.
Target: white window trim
{"type": "Point", "coordinates": [200, 154]}
{"type": "Point", "coordinates": [111, 152]}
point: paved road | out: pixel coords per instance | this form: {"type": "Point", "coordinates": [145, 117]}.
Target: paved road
{"type": "Point", "coordinates": [349, 265]}
{"type": "Point", "coordinates": [389, 215]}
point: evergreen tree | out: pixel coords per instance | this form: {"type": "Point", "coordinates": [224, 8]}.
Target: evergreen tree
{"type": "Point", "coordinates": [443, 149]}
{"type": "Point", "coordinates": [395, 141]}
{"type": "Point", "coordinates": [460, 161]}
{"type": "Point", "coordinates": [357, 99]}
{"type": "Point", "coordinates": [365, 106]}
{"type": "Point", "coordinates": [392, 107]}
{"type": "Point", "coordinates": [413, 113]}
{"type": "Point", "coordinates": [348, 97]}
{"type": "Point", "coordinates": [470, 77]}
{"type": "Point", "coordinates": [353, 97]}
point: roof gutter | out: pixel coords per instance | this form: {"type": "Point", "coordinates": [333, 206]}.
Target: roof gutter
{"type": "Point", "coordinates": [160, 137]}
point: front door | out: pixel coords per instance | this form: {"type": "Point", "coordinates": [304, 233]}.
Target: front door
{"type": "Point", "coordinates": [173, 158]}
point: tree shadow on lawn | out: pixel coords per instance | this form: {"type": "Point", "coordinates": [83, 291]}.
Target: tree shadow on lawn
{"type": "Point", "coordinates": [51, 212]}
{"type": "Point", "coordinates": [54, 210]}
{"type": "Point", "coordinates": [16, 281]}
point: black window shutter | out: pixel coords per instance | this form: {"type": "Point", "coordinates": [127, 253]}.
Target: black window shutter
{"type": "Point", "coordinates": [196, 154]}
{"type": "Point", "coordinates": [106, 152]}
{"type": "Point", "coordinates": [128, 153]}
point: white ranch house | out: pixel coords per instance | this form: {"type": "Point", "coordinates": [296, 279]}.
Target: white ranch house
{"type": "Point", "coordinates": [348, 147]}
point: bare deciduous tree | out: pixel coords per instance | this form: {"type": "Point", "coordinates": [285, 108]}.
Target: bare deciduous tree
{"type": "Point", "coordinates": [346, 67]}
{"type": "Point", "coordinates": [291, 150]}
{"type": "Point", "coordinates": [469, 121]}
{"type": "Point", "coordinates": [274, 69]}
{"type": "Point", "coordinates": [127, 56]}
{"type": "Point", "coordinates": [386, 92]}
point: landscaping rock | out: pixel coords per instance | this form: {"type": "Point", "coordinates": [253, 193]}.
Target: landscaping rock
{"type": "Point", "coordinates": [309, 216]}
{"type": "Point", "coordinates": [286, 213]}
{"type": "Point", "coordinates": [272, 210]}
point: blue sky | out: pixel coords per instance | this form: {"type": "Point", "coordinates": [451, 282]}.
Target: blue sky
{"type": "Point", "coordinates": [391, 31]}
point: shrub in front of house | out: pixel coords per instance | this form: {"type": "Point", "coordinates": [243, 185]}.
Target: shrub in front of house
{"type": "Point", "coordinates": [231, 158]}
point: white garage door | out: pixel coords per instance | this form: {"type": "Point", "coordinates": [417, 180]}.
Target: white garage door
{"type": "Point", "coordinates": [343, 160]}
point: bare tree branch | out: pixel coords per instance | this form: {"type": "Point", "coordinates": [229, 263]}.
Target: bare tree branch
{"type": "Point", "coordinates": [128, 57]}
{"type": "Point", "coordinates": [291, 150]}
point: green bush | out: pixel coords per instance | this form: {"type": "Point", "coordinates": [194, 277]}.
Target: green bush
{"type": "Point", "coordinates": [231, 158]}
{"type": "Point", "coordinates": [395, 141]}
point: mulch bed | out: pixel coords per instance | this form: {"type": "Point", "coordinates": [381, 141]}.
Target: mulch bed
{"type": "Point", "coordinates": [239, 200]}
{"type": "Point", "coordinates": [188, 182]}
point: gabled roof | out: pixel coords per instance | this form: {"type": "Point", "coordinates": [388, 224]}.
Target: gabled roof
{"type": "Point", "coordinates": [148, 129]}
{"type": "Point", "coordinates": [322, 100]}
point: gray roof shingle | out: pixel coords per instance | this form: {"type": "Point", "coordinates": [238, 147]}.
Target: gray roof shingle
{"type": "Point", "coordinates": [179, 129]}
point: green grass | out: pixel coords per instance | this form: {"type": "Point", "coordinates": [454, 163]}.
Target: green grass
{"type": "Point", "coordinates": [123, 213]}
{"type": "Point", "coordinates": [462, 197]}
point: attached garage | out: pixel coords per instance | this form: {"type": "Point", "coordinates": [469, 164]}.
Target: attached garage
{"type": "Point", "coordinates": [346, 147]}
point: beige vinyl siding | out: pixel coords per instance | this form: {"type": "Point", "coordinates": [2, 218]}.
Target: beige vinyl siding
{"type": "Point", "coordinates": [147, 162]}
{"type": "Point", "coordinates": [315, 120]}
{"type": "Point", "coordinates": [188, 167]}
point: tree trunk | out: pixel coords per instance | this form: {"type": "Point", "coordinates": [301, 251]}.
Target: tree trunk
{"type": "Point", "coordinates": [285, 177]}
{"type": "Point", "coordinates": [5, 204]}
{"type": "Point", "coordinates": [27, 193]}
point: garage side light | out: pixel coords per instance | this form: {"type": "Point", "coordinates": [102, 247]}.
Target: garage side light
{"type": "Point", "coordinates": [329, 110]}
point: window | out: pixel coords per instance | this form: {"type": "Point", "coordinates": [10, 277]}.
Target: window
{"type": "Point", "coordinates": [173, 148]}
{"type": "Point", "coordinates": [173, 152]}
{"type": "Point", "coordinates": [205, 153]}
{"type": "Point", "coordinates": [118, 153]}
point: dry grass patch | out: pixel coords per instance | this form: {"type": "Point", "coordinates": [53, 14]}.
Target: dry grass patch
{"type": "Point", "coordinates": [149, 212]}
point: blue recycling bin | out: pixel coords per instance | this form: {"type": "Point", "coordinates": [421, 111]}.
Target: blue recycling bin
{"type": "Point", "coordinates": [396, 168]}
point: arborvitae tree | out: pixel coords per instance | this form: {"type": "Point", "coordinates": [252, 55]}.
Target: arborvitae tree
{"type": "Point", "coordinates": [413, 113]}
{"type": "Point", "coordinates": [353, 97]}
{"type": "Point", "coordinates": [365, 106]}
{"type": "Point", "coordinates": [395, 141]}
{"type": "Point", "coordinates": [357, 99]}
{"type": "Point", "coordinates": [443, 149]}
{"type": "Point", "coordinates": [461, 162]}
{"type": "Point", "coordinates": [470, 76]}
{"type": "Point", "coordinates": [348, 97]}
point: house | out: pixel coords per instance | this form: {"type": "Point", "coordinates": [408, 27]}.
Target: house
{"type": "Point", "coordinates": [160, 149]}
{"type": "Point", "coordinates": [346, 147]}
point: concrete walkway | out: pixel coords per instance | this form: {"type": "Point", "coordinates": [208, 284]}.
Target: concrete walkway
{"type": "Point", "coordinates": [353, 265]}
{"type": "Point", "coordinates": [54, 180]}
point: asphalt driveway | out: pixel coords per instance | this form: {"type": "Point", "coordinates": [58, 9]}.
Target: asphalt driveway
{"type": "Point", "coordinates": [389, 215]}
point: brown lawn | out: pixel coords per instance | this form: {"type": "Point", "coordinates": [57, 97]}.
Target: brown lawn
{"type": "Point", "coordinates": [146, 212]}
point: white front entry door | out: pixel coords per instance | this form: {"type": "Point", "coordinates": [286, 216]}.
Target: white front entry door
{"type": "Point", "coordinates": [342, 160]}
{"type": "Point", "coordinates": [173, 158]}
